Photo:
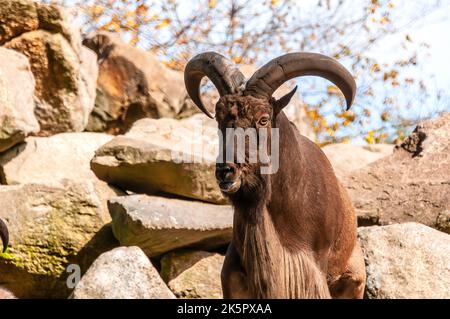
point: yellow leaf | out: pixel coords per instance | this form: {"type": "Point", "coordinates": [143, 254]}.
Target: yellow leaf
{"type": "Point", "coordinates": [96, 10]}
{"type": "Point", "coordinates": [237, 59]}
{"type": "Point", "coordinates": [164, 23]}
{"type": "Point", "coordinates": [141, 9]}
{"type": "Point", "coordinates": [273, 3]}
{"type": "Point", "coordinates": [384, 20]}
{"type": "Point", "coordinates": [131, 24]}
{"type": "Point", "coordinates": [212, 3]}
{"type": "Point", "coordinates": [375, 68]}
{"type": "Point", "coordinates": [370, 137]}
{"type": "Point", "coordinates": [331, 89]}
{"type": "Point", "coordinates": [330, 132]}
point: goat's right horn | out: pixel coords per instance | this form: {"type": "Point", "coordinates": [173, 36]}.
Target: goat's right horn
{"type": "Point", "coordinates": [225, 76]}
{"type": "Point", "coordinates": [4, 235]}
{"type": "Point", "coordinates": [279, 70]}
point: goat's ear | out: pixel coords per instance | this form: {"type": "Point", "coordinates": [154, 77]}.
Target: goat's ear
{"type": "Point", "coordinates": [279, 104]}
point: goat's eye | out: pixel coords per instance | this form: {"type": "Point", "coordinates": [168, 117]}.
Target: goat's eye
{"type": "Point", "coordinates": [263, 121]}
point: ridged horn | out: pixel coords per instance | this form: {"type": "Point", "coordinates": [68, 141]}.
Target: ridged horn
{"type": "Point", "coordinates": [4, 235]}
{"type": "Point", "coordinates": [272, 75]}
{"type": "Point", "coordinates": [225, 76]}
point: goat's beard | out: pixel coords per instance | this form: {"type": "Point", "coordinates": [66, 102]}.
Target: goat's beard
{"type": "Point", "coordinates": [254, 190]}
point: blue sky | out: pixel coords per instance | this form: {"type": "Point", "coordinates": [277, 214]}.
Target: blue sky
{"type": "Point", "coordinates": [435, 31]}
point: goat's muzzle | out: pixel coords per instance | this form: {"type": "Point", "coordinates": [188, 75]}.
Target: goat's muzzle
{"type": "Point", "coordinates": [228, 177]}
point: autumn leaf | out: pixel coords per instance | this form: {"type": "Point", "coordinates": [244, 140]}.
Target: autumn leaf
{"type": "Point", "coordinates": [141, 10]}
{"type": "Point", "coordinates": [164, 23]}
{"type": "Point", "coordinates": [370, 139]}
{"type": "Point", "coordinates": [237, 59]}
{"type": "Point", "coordinates": [331, 89]}
{"type": "Point", "coordinates": [212, 4]}
{"type": "Point", "coordinates": [375, 68]}
{"type": "Point", "coordinates": [384, 20]}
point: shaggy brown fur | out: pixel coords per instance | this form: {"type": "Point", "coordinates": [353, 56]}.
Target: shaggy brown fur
{"type": "Point", "coordinates": [295, 230]}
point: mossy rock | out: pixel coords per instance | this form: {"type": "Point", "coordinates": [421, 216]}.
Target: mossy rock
{"type": "Point", "coordinates": [50, 227]}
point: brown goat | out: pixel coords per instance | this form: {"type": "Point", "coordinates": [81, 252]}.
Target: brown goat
{"type": "Point", "coordinates": [294, 230]}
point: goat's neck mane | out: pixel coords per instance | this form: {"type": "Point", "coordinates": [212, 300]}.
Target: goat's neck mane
{"type": "Point", "coordinates": [272, 269]}
{"type": "Point", "coordinates": [253, 200]}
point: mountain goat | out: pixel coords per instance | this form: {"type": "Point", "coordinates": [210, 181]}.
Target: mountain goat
{"type": "Point", "coordinates": [295, 230]}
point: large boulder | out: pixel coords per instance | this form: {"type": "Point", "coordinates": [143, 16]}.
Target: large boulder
{"type": "Point", "coordinates": [65, 72]}
{"type": "Point", "coordinates": [17, 83]}
{"type": "Point", "coordinates": [21, 16]}
{"type": "Point", "coordinates": [122, 273]}
{"type": "Point", "coordinates": [163, 156]}
{"type": "Point", "coordinates": [132, 84]}
{"type": "Point", "coordinates": [17, 17]}
{"type": "Point", "coordinates": [55, 160]}
{"type": "Point", "coordinates": [193, 274]}
{"type": "Point", "coordinates": [64, 88]}
{"type": "Point", "coordinates": [412, 184]}
{"type": "Point", "coordinates": [406, 261]}
{"type": "Point", "coordinates": [52, 159]}
{"type": "Point", "coordinates": [158, 225]}
{"type": "Point", "coordinates": [50, 227]}
{"type": "Point", "coordinates": [346, 158]}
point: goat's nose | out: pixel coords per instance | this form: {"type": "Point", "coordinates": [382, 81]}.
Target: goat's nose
{"type": "Point", "coordinates": [225, 172]}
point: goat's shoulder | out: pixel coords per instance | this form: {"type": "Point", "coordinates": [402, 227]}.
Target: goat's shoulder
{"type": "Point", "coordinates": [313, 152]}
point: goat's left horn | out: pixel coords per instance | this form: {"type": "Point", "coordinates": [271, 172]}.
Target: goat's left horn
{"type": "Point", "coordinates": [225, 76]}
{"type": "Point", "coordinates": [271, 76]}
{"type": "Point", "coordinates": [4, 235]}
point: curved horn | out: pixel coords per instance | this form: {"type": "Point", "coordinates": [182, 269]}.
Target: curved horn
{"type": "Point", "coordinates": [4, 235]}
{"type": "Point", "coordinates": [272, 75]}
{"type": "Point", "coordinates": [225, 76]}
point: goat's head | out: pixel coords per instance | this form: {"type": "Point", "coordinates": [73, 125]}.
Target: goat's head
{"type": "Point", "coordinates": [249, 104]}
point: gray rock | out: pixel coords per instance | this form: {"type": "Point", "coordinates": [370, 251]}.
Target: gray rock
{"type": "Point", "coordinates": [17, 106]}
{"type": "Point", "coordinates": [158, 224]}
{"type": "Point", "coordinates": [406, 261]}
{"type": "Point", "coordinates": [193, 274]}
{"type": "Point", "coordinates": [122, 273]}
{"type": "Point", "coordinates": [411, 185]}
{"type": "Point", "coordinates": [55, 160]}
{"type": "Point", "coordinates": [58, 157]}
